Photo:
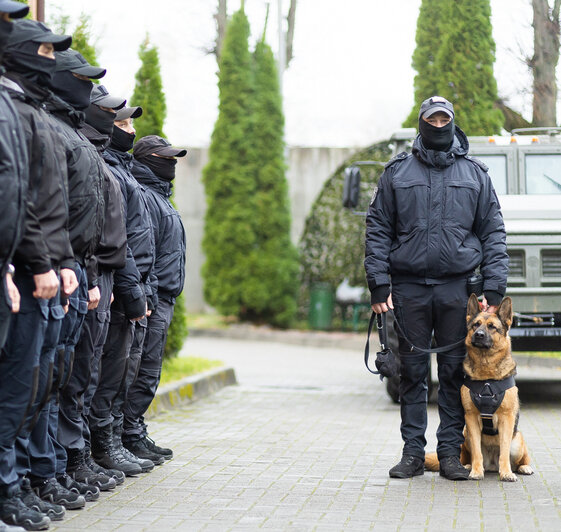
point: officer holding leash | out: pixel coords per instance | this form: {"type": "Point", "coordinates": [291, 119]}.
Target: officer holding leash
{"type": "Point", "coordinates": [434, 219]}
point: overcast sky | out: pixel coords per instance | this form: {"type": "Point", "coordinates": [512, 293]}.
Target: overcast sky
{"type": "Point", "coordinates": [350, 82]}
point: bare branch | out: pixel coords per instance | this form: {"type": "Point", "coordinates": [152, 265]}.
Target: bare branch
{"type": "Point", "coordinates": [290, 32]}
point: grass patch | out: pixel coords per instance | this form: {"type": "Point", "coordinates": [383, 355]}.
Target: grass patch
{"type": "Point", "coordinates": [542, 354]}
{"type": "Point", "coordinates": [177, 368]}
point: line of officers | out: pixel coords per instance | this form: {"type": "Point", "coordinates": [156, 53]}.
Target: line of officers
{"type": "Point", "coordinates": [92, 259]}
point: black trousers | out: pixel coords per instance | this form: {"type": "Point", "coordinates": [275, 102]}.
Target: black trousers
{"type": "Point", "coordinates": [113, 366]}
{"type": "Point", "coordinates": [143, 390]}
{"type": "Point", "coordinates": [423, 310]}
{"type": "Point", "coordinates": [90, 347]}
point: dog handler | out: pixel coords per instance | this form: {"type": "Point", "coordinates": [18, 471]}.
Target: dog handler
{"type": "Point", "coordinates": [433, 220]}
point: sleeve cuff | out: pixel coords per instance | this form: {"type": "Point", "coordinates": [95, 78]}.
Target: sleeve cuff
{"type": "Point", "coordinates": [493, 298]}
{"type": "Point", "coordinates": [380, 294]}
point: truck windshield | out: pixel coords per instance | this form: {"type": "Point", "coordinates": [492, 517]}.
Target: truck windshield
{"type": "Point", "coordinates": [543, 173]}
{"type": "Point", "coordinates": [497, 170]}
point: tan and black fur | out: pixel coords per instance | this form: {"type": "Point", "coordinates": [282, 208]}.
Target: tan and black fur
{"type": "Point", "coordinates": [489, 357]}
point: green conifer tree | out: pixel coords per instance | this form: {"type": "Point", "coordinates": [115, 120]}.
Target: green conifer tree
{"type": "Point", "coordinates": [454, 58]}
{"type": "Point", "coordinates": [428, 40]}
{"type": "Point", "coordinates": [229, 237]}
{"type": "Point", "coordinates": [148, 93]}
{"type": "Point", "coordinates": [465, 65]}
{"type": "Point", "coordinates": [275, 267]}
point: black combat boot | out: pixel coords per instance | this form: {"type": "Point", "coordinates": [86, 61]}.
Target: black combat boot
{"type": "Point", "coordinates": [77, 469]}
{"type": "Point", "coordinates": [145, 463]}
{"type": "Point", "coordinates": [89, 492]}
{"type": "Point", "coordinates": [14, 512]}
{"type": "Point", "coordinates": [105, 454]}
{"type": "Point", "coordinates": [50, 490]}
{"type": "Point", "coordinates": [140, 449]}
{"type": "Point", "coordinates": [150, 444]}
{"type": "Point", "coordinates": [115, 474]}
{"type": "Point", "coordinates": [55, 512]}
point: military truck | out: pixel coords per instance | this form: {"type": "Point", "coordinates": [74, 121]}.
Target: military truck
{"type": "Point", "coordinates": [525, 168]}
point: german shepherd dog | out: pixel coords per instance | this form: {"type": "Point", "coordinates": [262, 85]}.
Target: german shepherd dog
{"type": "Point", "coordinates": [489, 360]}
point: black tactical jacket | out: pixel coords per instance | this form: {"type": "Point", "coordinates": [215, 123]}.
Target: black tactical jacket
{"type": "Point", "coordinates": [85, 181]}
{"type": "Point", "coordinates": [435, 216]}
{"type": "Point", "coordinates": [46, 245]}
{"type": "Point", "coordinates": [169, 233]}
{"type": "Point", "coordinates": [13, 180]}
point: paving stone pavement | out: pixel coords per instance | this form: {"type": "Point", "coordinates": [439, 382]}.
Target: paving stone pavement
{"type": "Point", "coordinates": [305, 442]}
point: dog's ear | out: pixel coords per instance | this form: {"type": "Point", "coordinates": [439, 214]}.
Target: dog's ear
{"type": "Point", "coordinates": [504, 312]}
{"type": "Point", "coordinates": [472, 308]}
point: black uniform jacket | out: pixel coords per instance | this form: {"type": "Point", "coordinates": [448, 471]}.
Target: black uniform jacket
{"type": "Point", "coordinates": [435, 216]}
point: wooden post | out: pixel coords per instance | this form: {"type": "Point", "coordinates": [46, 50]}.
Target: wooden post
{"type": "Point", "coordinates": [37, 8]}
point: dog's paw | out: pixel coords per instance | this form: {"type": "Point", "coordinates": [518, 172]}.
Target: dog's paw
{"type": "Point", "coordinates": [476, 475]}
{"type": "Point", "coordinates": [468, 466]}
{"type": "Point", "coordinates": [508, 477]}
{"type": "Point", "coordinates": [525, 470]}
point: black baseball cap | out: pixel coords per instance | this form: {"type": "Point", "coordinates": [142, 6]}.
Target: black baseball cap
{"type": "Point", "coordinates": [74, 62]}
{"type": "Point", "coordinates": [101, 97]}
{"type": "Point", "coordinates": [128, 112]}
{"type": "Point", "coordinates": [434, 104]}
{"type": "Point", "coordinates": [31, 30]}
{"type": "Point", "coordinates": [14, 9]}
{"type": "Point", "coordinates": [158, 145]}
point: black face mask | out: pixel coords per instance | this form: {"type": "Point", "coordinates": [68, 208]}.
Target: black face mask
{"type": "Point", "coordinates": [100, 119]}
{"type": "Point", "coordinates": [162, 167]}
{"type": "Point", "coordinates": [5, 30]}
{"type": "Point", "coordinates": [437, 138]}
{"type": "Point", "coordinates": [25, 60]}
{"type": "Point", "coordinates": [121, 140]}
{"type": "Point", "coordinates": [72, 90]}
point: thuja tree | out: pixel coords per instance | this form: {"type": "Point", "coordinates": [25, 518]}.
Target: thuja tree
{"type": "Point", "coordinates": [465, 64]}
{"type": "Point", "coordinates": [423, 61]}
{"type": "Point", "coordinates": [274, 261]}
{"type": "Point", "coordinates": [230, 238]}
{"type": "Point", "coordinates": [332, 244]}
{"type": "Point", "coordinates": [148, 93]}
{"type": "Point", "coordinates": [454, 58]}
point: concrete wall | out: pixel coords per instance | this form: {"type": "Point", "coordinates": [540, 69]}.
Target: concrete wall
{"type": "Point", "coordinates": [308, 170]}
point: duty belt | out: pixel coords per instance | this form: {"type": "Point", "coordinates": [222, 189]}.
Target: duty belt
{"type": "Point", "coordinates": [487, 396]}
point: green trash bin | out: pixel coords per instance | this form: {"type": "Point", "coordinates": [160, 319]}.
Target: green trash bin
{"type": "Point", "coordinates": [322, 303]}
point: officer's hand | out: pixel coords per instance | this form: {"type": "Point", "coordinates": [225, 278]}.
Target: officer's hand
{"type": "Point", "coordinates": [94, 295]}
{"type": "Point", "coordinates": [378, 308]}
{"type": "Point", "coordinates": [69, 281]}
{"type": "Point", "coordinates": [488, 308]}
{"type": "Point", "coordinates": [13, 293]}
{"type": "Point", "coordinates": [46, 285]}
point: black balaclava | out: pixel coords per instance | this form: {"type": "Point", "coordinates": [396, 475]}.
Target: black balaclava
{"type": "Point", "coordinates": [100, 119]}
{"type": "Point", "coordinates": [437, 138]}
{"type": "Point", "coordinates": [72, 90]}
{"type": "Point", "coordinates": [5, 30]}
{"type": "Point", "coordinates": [24, 59]}
{"type": "Point", "coordinates": [121, 140]}
{"type": "Point", "coordinates": [163, 168]}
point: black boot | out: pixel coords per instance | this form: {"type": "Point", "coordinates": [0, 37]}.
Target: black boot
{"type": "Point", "coordinates": [409, 466]}
{"type": "Point", "coordinates": [89, 492]}
{"type": "Point", "coordinates": [79, 471]}
{"type": "Point", "coordinates": [150, 444]}
{"type": "Point", "coordinates": [140, 449]}
{"type": "Point", "coordinates": [452, 469]}
{"type": "Point", "coordinates": [55, 512]}
{"type": "Point", "coordinates": [115, 474]}
{"type": "Point", "coordinates": [105, 454]}
{"type": "Point", "coordinates": [145, 463]}
{"type": "Point", "coordinates": [14, 512]}
{"type": "Point", "coordinates": [50, 490]}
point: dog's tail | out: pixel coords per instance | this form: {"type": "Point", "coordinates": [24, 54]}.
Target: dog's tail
{"type": "Point", "coordinates": [431, 462]}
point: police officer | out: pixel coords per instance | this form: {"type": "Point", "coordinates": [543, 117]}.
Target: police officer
{"type": "Point", "coordinates": [154, 169]}
{"type": "Point", "coordinates": [434, 219]}
{"type": "Point", "coordinates": [43, 254]}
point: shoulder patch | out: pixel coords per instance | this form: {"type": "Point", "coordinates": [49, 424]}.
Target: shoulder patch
{"type": "Point", "coordinates": [479, 163]}
{"type": "Point", "coordinates": [397, 158]}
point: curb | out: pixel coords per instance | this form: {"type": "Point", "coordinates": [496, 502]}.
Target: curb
{"type": "Point", "coordinates": [191, 389]}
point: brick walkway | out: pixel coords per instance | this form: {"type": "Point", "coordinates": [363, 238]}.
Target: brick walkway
{"type": "Point", "coordinates": [305, 441]}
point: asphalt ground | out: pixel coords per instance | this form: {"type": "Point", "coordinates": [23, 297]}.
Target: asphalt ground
{"type": "Point", "coordinates": [305, 442]}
